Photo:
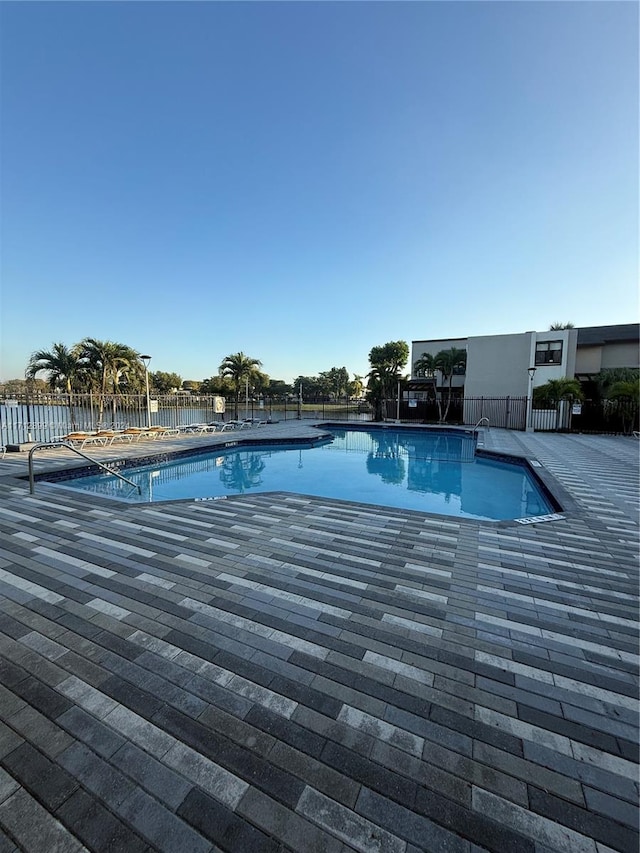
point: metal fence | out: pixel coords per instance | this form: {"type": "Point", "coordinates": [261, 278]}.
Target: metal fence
{"type": "Point", "coordinates": [613, 417]}
{"type": "Point", "coordinates": [503, 412]}
{"type": "Point", "coordinates": [43, 417]}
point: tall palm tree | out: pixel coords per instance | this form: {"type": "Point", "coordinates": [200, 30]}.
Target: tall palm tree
{"type": "Point", "coordinates": [555, 390]}
{"type": "Point", "coordinates": [425, 367]}
{"type": "Point", "coordinates": [108, 362]}
{"type": "Point", "coordinates": [447, 361]}
{"type": "Point", "coordinates": [65, 368]}
{"type": "Point", "coordinates": [386, 363]}
{"type": "Point", "coordinates": [238, 367]}
{"type": "Point", "coordinates": [356, 386]}
{"type": "Point", "coordinates": [375, 393]}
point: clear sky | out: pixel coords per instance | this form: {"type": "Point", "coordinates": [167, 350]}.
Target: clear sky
{"type": "Point", "coordinates": [303, 181]}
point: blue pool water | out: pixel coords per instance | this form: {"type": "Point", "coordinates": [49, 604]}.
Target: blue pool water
{"type": "Point", "coordinates": [419, 470]}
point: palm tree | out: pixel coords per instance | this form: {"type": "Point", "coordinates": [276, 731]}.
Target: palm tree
{"type": "Point", "coordinates": [610, 380]}
{"type": "Point", "coordinates": [238, 367]}
{"type": "Point", "coordinates": [447, 361]}
{"type": "Point", "coordinates": [356, 386]}
{"type": "Point", "coordinates": [375, 393]}
{"type": "Point", "coordinates": [557, 327]}
{"type": "Point", "coordinates": [555, 390]}
{"type": "Point", "coordinates": [425, 367]}
{"type": "Point", "coordinates": [65, 370]}
{"type": "Point", "coordinates": [109, 363]}
{"type": "Point", "coordinates": [386, 363]}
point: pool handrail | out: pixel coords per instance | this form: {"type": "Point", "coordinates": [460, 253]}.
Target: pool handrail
{"type": "Point", "coordinates": [480, 421]}
{"type": "Point", "coordinates": [46, 444]}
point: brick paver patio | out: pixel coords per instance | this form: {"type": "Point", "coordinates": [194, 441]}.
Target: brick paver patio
{"type": "Point", "coordinates": [283, 673]}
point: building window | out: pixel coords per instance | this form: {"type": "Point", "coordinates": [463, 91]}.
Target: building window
{"type": "Point", "coordinates": [549, 352]}
{"type": "Point", "coordinates": [425, 374]}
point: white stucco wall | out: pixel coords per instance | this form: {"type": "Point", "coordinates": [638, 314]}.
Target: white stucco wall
{"type": "Point", "coordinates": [497, 365]}
{"type": "Point", "coordinates": [567, 367]}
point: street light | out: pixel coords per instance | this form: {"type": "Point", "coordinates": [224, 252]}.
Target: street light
{"type": "Point", "coordinates": [528, 426]}
{"type": "Point", "coordinates": [145, 359]}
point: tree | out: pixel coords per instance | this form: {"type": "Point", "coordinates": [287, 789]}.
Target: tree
{"type": "Point", "coordinates": [109, 363]}
{"type": "Point", "coordinates": [609, 381]}
{"type": "Point", "coordinates": [217, 385]}
{"type": "Point", "coordinates": [279, 388]}
{"type": "Point", "coordinates": [259, 382]}
{"type": "Point", "coordinates": [311, 387]}
{"type": "Point", "coordinates": [164, 383]}
{"type": "Point", "coordinates": [65, 370]}
{"type": "Point", "coordinates": [339, 378]}
{"type": "Point", "coordinates": [356, 386]}
{"type": "Point", "coordinates": [386, 363]}
{"type": "Point", "coordinates": [23, 386]}
{"type": "Point", "coordinates": [624, 390]}
{"type": "Point", "coordinates": [552, 392]}
{"type": "Point", "coordinates": [557, 327]}
{"type": "Point", "coordinates": [239, 368]}
{"type": "Point", "coordinates": [447, 361]}
{"type": "Point", "coordinates": [425, 368]}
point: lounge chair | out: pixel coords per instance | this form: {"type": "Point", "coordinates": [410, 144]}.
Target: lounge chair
{"type": "Point", "coordinates": [190, 428]}
{"type": "Point", "coordinates": [137, 433]}
{"type": "Point", "coordinates": [83, 438]}
{"type": "Point", "coordinates": [161, 431]}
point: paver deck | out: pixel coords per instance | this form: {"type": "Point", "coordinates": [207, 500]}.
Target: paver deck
{"type": "Point", "coordinates": [283, 673]}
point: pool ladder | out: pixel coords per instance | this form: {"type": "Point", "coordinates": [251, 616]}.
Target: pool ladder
{"type": "Point", "coordinates": [480, 421]}
{"type": "Point", "coordinates": [47, 444]}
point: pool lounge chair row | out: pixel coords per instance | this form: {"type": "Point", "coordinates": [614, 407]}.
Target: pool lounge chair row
{"type": "Point", "coordinates": [222, 426]}
{"type": "Point", "coordinates": [107, 437]}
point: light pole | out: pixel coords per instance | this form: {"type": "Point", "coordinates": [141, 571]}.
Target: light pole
{"type": "Point", "coordinates": [528, 425]}
{"type": "Point", "coordinates": [398, 405]}
{"type": "Point", "coordinates": [145, 359]}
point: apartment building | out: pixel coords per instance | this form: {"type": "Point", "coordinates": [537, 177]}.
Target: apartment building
{"type": "Point", "coordinates": [498, 365]}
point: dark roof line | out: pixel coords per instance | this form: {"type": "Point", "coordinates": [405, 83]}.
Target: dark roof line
{"type": "Point", "coordinates": [594, 335]}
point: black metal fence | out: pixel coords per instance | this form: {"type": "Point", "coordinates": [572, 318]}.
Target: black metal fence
{"type": "Point", "coordinates": [43, 417]}
{"type": "Point", "coordinates": [503, 412]}
{"type": "Point", "coordinates": [613, 417]}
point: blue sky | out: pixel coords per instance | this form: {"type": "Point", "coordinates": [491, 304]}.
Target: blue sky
{"type": "Point", "coordinates": [303, 181]}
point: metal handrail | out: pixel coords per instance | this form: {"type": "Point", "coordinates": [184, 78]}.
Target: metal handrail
{"type": "Point", "coordinates": [480, 421]}
{"type": "Point", "coordinates": [46, 444]}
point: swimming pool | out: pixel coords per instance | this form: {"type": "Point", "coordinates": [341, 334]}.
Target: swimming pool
{"type": "Point", "coordinates": [425, 470]}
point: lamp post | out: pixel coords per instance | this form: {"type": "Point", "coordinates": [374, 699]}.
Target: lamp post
{"type": "Point", "coordinates": [528, 425]}
{"type": "Point", "coordinates": [145, 359]}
